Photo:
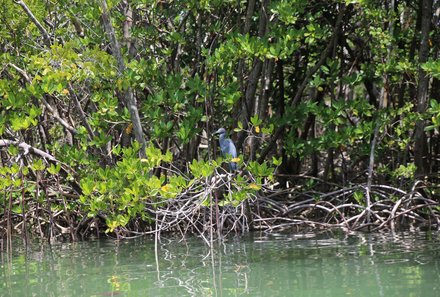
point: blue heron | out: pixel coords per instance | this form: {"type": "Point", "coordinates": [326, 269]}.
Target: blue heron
{"type": "Point", "coordinates": [227, 147]}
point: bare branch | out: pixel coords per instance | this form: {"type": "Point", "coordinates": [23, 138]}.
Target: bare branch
{"type": "Point", "coordinates": [58, 118]}
{"type": "Point", "coordinates": [82, 114]}
{"type": "Point", "coordinates": [40, 27]}
{"type": "Point", "coordinates": [27, 148]}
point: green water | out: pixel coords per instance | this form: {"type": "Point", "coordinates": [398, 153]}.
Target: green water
{"type": "Point", "coordinates": [312, 264]}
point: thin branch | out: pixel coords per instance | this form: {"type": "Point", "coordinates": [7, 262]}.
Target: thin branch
{"type": "Point", "coordinates": [46, 104]}
{"type": "Point", "coordinates": [81, 112]}
{"type": "Point", "coordinates": [325, 54]}
{"type": "Point", "coordinates": [40, 27]}
{"type": "Point", "coordinates": [58, 118]}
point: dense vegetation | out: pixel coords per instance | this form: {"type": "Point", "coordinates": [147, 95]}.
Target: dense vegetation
{"type": "Point", "coordinates": [107, 110]}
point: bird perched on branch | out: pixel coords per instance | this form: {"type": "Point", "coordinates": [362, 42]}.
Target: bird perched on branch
{"type": "Point", "coordinates": [227, 147]}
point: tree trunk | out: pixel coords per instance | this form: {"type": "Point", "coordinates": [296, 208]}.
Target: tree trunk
{"type": "Point", "coordinates": [306, 80]}
{"type": "Point", "coordinates": [249, 100]}
{"type": "Point", "coordinates": [420, 141]}
{"type": "Point", "coordinates": [129, 99]}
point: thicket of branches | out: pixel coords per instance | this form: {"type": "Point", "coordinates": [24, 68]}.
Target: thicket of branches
{"type": "Point", "coordinates": [107, 110]}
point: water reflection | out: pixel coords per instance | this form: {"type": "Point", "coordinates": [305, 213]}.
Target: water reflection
{"type": "Point", "coordinates": [312, 264]}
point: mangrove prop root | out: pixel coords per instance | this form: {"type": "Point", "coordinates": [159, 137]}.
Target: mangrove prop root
{"type": "Point", "coordinates": [268, 210]}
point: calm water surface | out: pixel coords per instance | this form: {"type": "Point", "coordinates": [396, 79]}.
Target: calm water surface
{"type": "Point", "coordinates": [312, 264]}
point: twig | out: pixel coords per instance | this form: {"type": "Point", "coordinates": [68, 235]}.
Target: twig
{"type": "Point", "coordinates": [40, 27]}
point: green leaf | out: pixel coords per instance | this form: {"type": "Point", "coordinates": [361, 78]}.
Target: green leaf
{"type": "Point", "coordinates": [255, 120]}
{"type": "Point", "coordinates": [54, 169]}
{"type": "Point", "coordinates": [277, 162]}
{"type": "Point", "coordinates": [359, 197]}
{"type": "Point", "coordinates": [201, 169]}
{"type": "Point", "coordinates": [38, 165]}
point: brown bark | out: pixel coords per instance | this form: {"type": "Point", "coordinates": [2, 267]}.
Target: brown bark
{"type": "Point", "coordinates": [420, 141]}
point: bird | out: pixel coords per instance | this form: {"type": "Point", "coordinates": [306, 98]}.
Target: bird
{"type": "Point", "coordinates": [227, 147]}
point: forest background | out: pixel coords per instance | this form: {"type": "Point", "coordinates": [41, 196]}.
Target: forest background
{"type": "Point", "coordinates": [107, 110]}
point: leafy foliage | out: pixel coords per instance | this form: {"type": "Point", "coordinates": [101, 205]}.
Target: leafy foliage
{"type": "Point", "coordinates": [303, 84]}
